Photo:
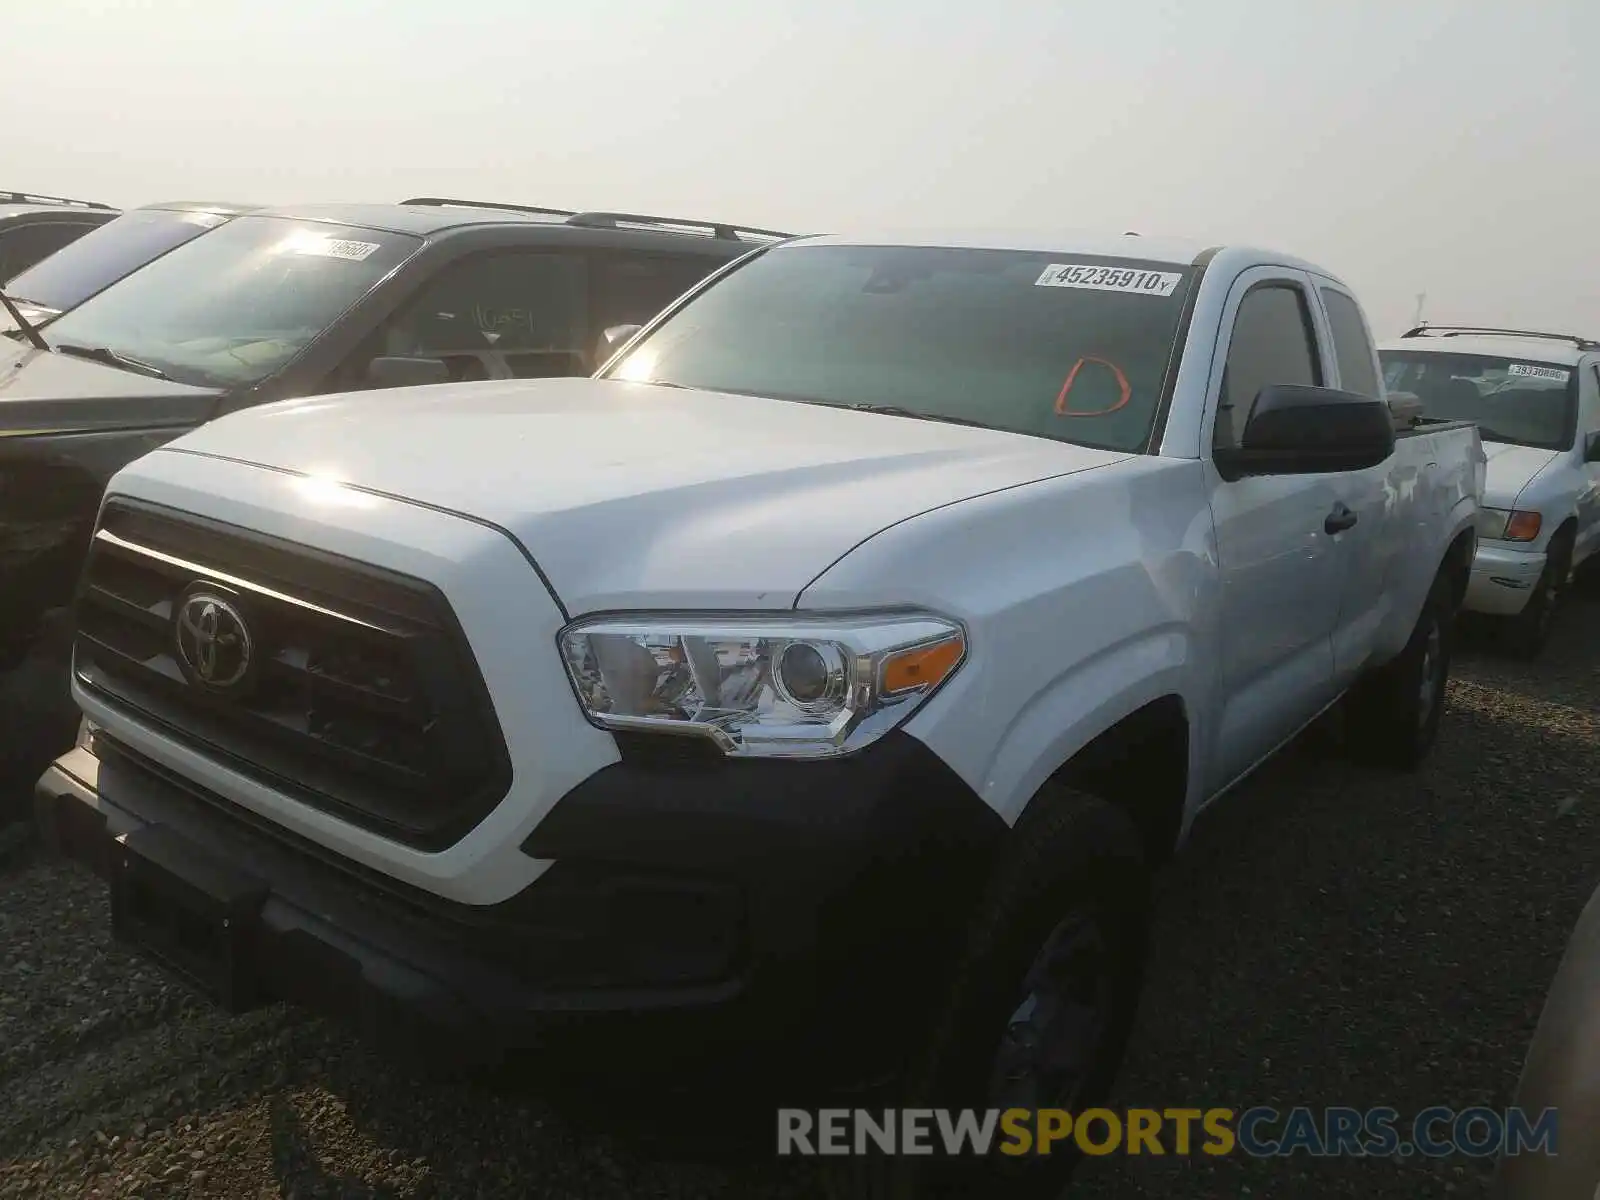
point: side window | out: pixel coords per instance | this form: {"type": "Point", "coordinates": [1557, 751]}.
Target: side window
{"type": "Point", "coordinates": [631, 289]}
{"type": "Point", "coordinates": [493, 316]}
{"type": "Point", "coordinates": [1272, 343]}
{"type": "Point", "coordinates": [22, 247]}
{"type": "Point", "coordinates": [1351, 345]}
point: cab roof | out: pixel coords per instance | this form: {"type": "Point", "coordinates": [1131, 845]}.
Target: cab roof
{"type": "Point", "coordinates": [1178, 251]}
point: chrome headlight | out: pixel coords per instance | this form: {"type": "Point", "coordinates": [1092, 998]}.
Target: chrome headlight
{"type": "Point", "coordinates": [779, 687]}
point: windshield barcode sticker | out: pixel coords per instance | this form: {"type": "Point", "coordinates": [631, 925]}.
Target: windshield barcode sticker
{"type": "Point", "coordinates": [1109, 279]}
{"type": "Point", "coordinates": [1531, 371]}
{"type": "Point", "coordinates": [324, 247]}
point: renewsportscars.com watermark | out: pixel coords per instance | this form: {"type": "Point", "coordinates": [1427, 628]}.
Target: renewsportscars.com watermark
{"type": "Point", "coordinates": [1259, 1132]}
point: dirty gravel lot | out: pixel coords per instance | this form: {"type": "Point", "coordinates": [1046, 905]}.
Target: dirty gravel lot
{"type": "Point", "coordinates": [1332, 936]}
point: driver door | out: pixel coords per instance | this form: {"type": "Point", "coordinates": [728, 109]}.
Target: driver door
{"type": "Point", "coordinates": [1278, 565]}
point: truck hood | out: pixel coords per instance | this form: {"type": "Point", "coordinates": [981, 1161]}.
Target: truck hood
{"type": "Point", "coordinates": [1511, 468]}
{"type": "Point", "coordinates": [44, 392]}
{"type": "Point", "coordinates": [638, 495]}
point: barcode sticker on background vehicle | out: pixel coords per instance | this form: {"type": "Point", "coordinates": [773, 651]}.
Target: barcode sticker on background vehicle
{"type": "Point", "coordinates": [324, 247]}
{"type": "Point", "coordinates": [1537, 372]}
{"type": "Point", "coordinates": [1109, 279]}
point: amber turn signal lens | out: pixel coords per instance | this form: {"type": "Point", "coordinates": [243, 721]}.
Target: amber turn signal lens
{"type": "Point", "coordinates": [1522, 526]}
{"type": "Point", "coordinates": [922, 666]}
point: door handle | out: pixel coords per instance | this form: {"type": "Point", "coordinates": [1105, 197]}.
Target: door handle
{"type": "Point", "coordinates": [1341, 518]}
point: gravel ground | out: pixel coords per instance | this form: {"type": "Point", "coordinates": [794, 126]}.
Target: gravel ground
{"type": "Point", "coordinates": [1332, 936]}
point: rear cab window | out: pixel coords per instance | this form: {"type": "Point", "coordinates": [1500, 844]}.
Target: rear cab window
{"type": "Point", "coordinates": [1514, 400]}
{"type": "Point", "coordinates": [1352, 344]}
{"type": "Point", "coordinates": [1071, 347]}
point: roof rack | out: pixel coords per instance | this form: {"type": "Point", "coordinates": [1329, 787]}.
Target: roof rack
{"type": "Point", "coordinates": [35, 198]}
{"type": "Point", "coordinates": [1582, 343]}
{"type": "Point", "coordinates": [607, 220]}
{"type": "Point", "coordinates": [717, 229]}
{"type": "Point", "coordinates": [444, 202]}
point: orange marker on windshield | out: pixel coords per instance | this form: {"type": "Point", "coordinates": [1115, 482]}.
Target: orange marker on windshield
{"type": "Point", "coordinates": [1072, 377]}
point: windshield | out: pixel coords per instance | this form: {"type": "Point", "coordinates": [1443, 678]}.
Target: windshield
{"type": "Point", "coordinates": [1055, 345]}
{"type": "Point", "coordinates": [104, 255]}
{"type": "Point", "coordinates": [1511, 400]}
{"type": "Point", "coordinates": [237, 305]}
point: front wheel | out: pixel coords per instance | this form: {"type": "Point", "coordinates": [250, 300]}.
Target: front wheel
{"type": "Point", "coordinates": [1530, 629]}
{"type": "Point", "coordinates": [1392, 716]}
{"type": "Point", "coordinates": [1040, 1007]}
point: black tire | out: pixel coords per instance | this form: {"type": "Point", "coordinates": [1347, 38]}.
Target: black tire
{"type": "Point", "coordinates": [1077, 879]}
{"type": "Point", "coordinates": [1586, 578]}
{"type": "Point", "coordinates": [1529, 631]}
{"type": "Point", "coordinates": [1392, 716]}
{"type": "Point", "coordinates": [38, 719]}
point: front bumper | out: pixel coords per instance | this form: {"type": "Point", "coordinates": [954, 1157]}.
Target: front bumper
{"type": "Point", "coordinates": [691, 909]}
{"type": "Point", "coordinates": [1502, 580]}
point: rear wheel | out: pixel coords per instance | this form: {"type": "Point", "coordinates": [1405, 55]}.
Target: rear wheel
{"type": "Point", "coordinates": [1392, 716]}
{"type": "Point", "coordinates": [1529, 630]}
{"type": "Point", "coordinates": [1040, 1007]}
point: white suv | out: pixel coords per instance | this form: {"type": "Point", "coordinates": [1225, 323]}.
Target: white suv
{"type": "Point", "coordinates": [1535, 398]}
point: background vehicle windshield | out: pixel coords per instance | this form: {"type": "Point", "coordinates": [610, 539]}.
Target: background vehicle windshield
{"type": "Point", "coordinates": [1512, 400]}
{"type": "Point", "coordinates": [1055, 345]}
{"type": "Point", "coordinates": [237, 305]}
{"type": "Point", "coordinates": [104, 255]}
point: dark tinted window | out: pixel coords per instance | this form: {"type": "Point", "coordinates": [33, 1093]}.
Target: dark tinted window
{"type": "Point", "coordinates": [23, 245]}
{"type": "Point", "coordinates": [106, 254]}
{"type": "Point", "coordinates": [630, 290]}
{"type": "Point", "coordinates": [1272, 343]}
{"type": "Point", "coordinates": [1515, 400]}
{"type": "Point", "coordinates": [1054, 345]}
{"type": "Point", "coordinates": [1351, 345]}
{"type": "Point", "coordinates": [522, 314]}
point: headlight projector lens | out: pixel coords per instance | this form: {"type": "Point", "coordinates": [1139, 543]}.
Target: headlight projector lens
{"type": "Point", "coordinates": [809, 676]}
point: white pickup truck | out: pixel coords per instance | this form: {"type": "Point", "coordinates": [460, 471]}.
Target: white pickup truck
{"type": "Point", "coordinates": [1536, 400]}
{"type": "Point", "coordinates": [834, 666]}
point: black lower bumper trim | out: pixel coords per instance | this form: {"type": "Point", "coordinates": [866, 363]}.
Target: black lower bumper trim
{"type": "Point", "coordinates": [810, 906]}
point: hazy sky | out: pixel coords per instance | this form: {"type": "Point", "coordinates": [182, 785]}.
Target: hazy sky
{"type": "Point", "coordinates": [1443, 146]}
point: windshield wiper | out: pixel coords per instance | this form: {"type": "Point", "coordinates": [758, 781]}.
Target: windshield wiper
{"type": "Point", "coordinates": [895, 410]}
{"type": "Point", "coordinates": [113, 358]}
{"type": "Point", "coordinates": [28, 331]}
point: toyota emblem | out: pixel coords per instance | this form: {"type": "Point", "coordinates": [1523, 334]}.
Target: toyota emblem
{"type": "Point", "coordinates": [213, 641]}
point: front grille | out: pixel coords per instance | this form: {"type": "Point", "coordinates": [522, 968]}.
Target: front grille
{"type": "Point", "coordinates": [361, 697]}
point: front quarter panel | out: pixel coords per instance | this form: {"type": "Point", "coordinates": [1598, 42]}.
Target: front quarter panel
{"type": "Point", "coordinates": [1084, 599]}
{"type": "Point", "coordinates": [1554, 493]}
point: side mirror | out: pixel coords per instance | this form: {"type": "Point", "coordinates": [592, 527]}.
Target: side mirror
{"type": "Point", "coordinates": [395, 372]}
{"type": "Point", "coordinates": [1406, 409]}
{"type": "Point", "coordinates": [1297, 430]}
{"type": "Point", "coordinates": [1591, 448]}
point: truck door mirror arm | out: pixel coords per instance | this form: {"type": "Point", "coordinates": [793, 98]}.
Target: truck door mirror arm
{"type": "Point", "coordinates": [1299, 430]}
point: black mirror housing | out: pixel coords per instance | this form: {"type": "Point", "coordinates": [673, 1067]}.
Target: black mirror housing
{"type": "Point", "coordinates": [1299, 430]}
{"type": "Point", "coordinates": [391, 371]}
{"type": "Point", "coordinates": [1591, 448]}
